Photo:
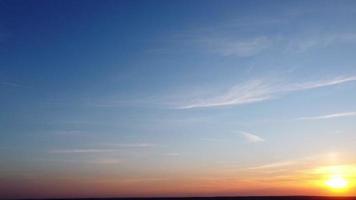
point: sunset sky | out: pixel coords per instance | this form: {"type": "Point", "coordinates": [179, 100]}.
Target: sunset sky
{"type": "Point", "coordinates": [177, 98]}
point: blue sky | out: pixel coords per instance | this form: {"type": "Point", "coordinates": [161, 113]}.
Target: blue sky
{"type": "Point", "coordinates": [155, 92]}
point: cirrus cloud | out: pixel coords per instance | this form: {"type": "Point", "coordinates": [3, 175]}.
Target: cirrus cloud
{"type": "Point", "coordinates": [251, 138]}
{"type": "Point", "coordinates": [258, 90]}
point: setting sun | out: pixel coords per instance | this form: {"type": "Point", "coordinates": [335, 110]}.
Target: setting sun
{"type": "Point", "coordinates": [337, 182]}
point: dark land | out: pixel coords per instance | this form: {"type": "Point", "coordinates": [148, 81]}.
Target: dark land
{"type": "Point", "coordinates": [217, 198]}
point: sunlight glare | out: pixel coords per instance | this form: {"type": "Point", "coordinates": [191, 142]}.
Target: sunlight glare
{"type": "Point", "coordinates": [337, 182]}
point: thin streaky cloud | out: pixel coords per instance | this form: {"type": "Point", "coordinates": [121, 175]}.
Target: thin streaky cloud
{"type": "Point", "coordinates": [250, 92]}
{"type": "Point", "coordinates": [329, 116]}
{"type": "Point", "coordinates": [69, 132]}
{"type": "Point", "coordinates": [240, 48]}
{"type": "Point", "coordinates": [319, 84]}
{"type": "Point", "coordinates": [69, 151]}
{"type": "Point", "coordinates": [252, 138]}
{"type": "Point", "coordinates": [275, 165]}
{"type": "Point", "coordinates": [86, 161]}
{"type": "Point", "coordinates": [232, 45]}
{"type": "Point", "coordinates": [285, 164]}
{"type": "Point", "coordinates": [302, 44]}
{"type": "Point", "coordinates": [117, 147]}
{"type": "Point", "coordinates": [132, 145]}
{"type": "Point", "coordinates": [297, 163]}
{"type": "Point", "coordinates": [12, 84]}
{"type": "Point", "coordinates": [258, 90]}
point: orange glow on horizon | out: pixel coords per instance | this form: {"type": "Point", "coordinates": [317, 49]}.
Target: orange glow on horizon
{"type": "Point", "coordinates": [337, 179]}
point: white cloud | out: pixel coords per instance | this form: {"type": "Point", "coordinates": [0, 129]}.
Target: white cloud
{"type": "Point", "coordinates": [249, 137]}
{"type": "Point", "coordinates": [116, 148]}
{"type": "Point", "coordinates": [311, 41]}
{"type": "Point", "coordinates": [69, 132]}
{"type": "Point", "coordinates": [100, 160]}
{"type": "Point", "coordinates": [258, 90]}
{"type": "Point", "coordinates": [276, 165]}
{"type": "Point", "coordinates": [250, 92]}
{"type": "Point", "coordinates": [69, 151]}
{"type": "Point", "coordinates": [329, 116]}
{"type": "Point", "coordinates": [299, 163]}
{"type": "Point", "coordinates": [12, 84]}
{"type": "Point", "coordinates": [240, 48]}
{"type": "Point", "coordinates": [320, 83]}
{"type": "Point", "coordinates": [133, 145]}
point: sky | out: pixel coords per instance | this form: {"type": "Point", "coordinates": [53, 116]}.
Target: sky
{"type": "Point", "coordinates": [176, 98]}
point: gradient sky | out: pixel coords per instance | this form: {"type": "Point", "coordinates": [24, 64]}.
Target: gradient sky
{"type": "Point", "coordinates": [176, 98]}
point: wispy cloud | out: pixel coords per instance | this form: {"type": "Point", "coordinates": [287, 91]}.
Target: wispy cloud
{"type": "Point", "coordinates": [132, 145]}
{"type": "Point", "coordinates": [299, 43]}
{"type": "Point", "coordinates": [258, 90]}
{"type": "Point", "coordinates": [312, 41]}
{"type": "Point", "coordinates": [69, 132]}
{"type": "Point", "coordinates": [240, 48]}
{"type": "Point", "coordinates": [70, 151]}
{"type": "Point", "coordinates": [329, 116]}
{"type": "Point", "coordinates": [276, 165]}
{"type": "Point", "coordinates": [226, 39]}
{"type": "Point", "coordinates": [320, 83]}
{"type": "Point", "coordinates": [252, 138]}
{"type": "Point", "coordinates": [302, 162]}
{"type": "Point", "coordinates": [12, 84]}
{"type": "Point", "coordinates": [112, 148]}
{"type": "Point", "coordinates": [250, 92]}
{"type": "Point", "coordinates": [100, 160]}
